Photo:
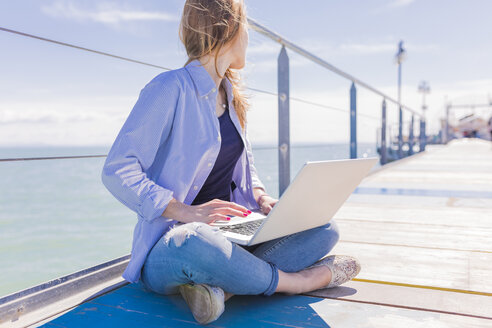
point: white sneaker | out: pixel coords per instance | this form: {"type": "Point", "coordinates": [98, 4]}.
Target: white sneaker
{"type": "Point", "coordinates": [206, 302]}
{"type": "Point", "coordinates": [342, 267]}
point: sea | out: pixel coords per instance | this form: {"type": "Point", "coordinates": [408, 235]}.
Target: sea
{"type": "Point", "coordinates": [56, 216]}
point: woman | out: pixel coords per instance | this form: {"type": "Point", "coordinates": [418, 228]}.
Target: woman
{"type": "Point", "coordinates": [183, 160]}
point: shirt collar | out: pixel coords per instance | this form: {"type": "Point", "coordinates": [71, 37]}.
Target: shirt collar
{"type": "Point", "coordinates": [204, 82]}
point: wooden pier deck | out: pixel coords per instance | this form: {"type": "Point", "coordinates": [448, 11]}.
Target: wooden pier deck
{"type": "Point", "coordinates": [422, 228]}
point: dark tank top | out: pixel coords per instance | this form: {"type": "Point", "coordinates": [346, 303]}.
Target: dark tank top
{"type": "Point", "coordinates": [219, 181]}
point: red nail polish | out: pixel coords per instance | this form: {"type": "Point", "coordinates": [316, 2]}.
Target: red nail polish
{"type": "Point", "coordinates": [245, 214]}
{"type": "Point", "coordinates": [249, 211]}
{"type": "Point", "coordinates": [228, 219]}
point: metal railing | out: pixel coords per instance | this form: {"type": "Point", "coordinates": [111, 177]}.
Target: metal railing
{"type": "Point", "coordinates": [284, 98]}
{"type": "Point", "coordinates": [284, 107]}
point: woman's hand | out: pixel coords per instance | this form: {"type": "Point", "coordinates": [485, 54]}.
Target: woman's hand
{"type": "Point", "coordinates": [213, 210]}
{"type": "Point", "coordinates": [266, 203]}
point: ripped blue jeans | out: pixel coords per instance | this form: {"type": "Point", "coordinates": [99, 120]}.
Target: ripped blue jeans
{"type": "Point", "coordinates": [198, 253]}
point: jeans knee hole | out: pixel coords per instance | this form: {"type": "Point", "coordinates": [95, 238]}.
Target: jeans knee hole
{"type": "Point", "coordinates": [180, 234]}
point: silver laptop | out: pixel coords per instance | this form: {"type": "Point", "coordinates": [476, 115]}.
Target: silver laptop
{"type": "Point", "coordinates": [314, 196]}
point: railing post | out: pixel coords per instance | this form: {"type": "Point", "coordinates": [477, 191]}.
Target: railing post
{"type": "Point", "coordinates": [400, 134]}
{"type": "Point", "coordinates": [410, 138]}
{"type": "Point", "coordinates": [353, 121]}
{"type": "Point", "coordinates": [446, 132]}
{"type": "Point", "coordinates": [422, 135]}
{"type": "Point", "coordinates": [383, 149]}
{"type": "Point", "coordinates": [283, 122]}
{"type": "Point", "coordinates": [425, 133]}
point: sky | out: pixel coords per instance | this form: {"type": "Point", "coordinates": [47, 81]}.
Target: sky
{"type": "Point", "coordinates": [55, 95]}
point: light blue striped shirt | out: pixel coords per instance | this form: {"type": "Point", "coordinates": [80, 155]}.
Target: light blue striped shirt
{"type": "Point", "coordinates": [166, 148]}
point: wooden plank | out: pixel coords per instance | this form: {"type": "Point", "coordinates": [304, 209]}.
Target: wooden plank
{"type": "Point", "coordinates": [407, 234]}
{"type": "Point", "coordinates": [416, 185]}
{"type": "Point", "coordinates": [410, 297]}
{"type": "Point", "coordinates": [406, 191]}
{"type": "Point", "coordinates": [447, 163]}
{"type": "Point", "coordinates": [438, 178]}
{"type": "Point", "coordinates": [420, 266]}
{"type": "Point", "coordinates": [461, 164]}
{"type": "Point", "coordinates": [417, 201]}
{"type": "Point", "coordinates": [360, 315]}
{"type": "Point", "coordinates": [463, 217]}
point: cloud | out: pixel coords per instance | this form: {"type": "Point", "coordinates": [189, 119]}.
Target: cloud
{"type": "Point", "coordinates": [400, 3]}
{"type": "Point", "coordinates": [391, 5]}
{"type": "Point", "coordinates": [324, 49]}
{"type": "Point", "coordinates": [264, 48]}
{"type": "Point", "coordinates": [47, 117]}
{"type": "Point", "coordinates": [30, 124]}
{"type": "Point", "coordinates": [60, 111]}
{"type": "Point", "coordinates": [364, 49]}
{"type": "Point", "coordinates": [7, 117]}
{"type": "Point", "coordinates": [106, 13]}
{"type": "Point", "coordinates": [378, 48]}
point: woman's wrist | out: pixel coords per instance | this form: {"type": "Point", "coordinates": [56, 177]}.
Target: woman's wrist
{"type": "Point", "coordinates": [176, 210]}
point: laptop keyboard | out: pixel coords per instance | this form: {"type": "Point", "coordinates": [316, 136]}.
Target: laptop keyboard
{"type": "Point", "coordinates": [246, 228]}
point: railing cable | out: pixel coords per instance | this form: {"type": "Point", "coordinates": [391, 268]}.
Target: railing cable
{"type": "Point", "coordinates": [82, 48]}
{"type": "Point", "coordinates": [52, 157]}
{"type": "Point", "coordinates": [279, 39]}
{"type": "Point", "coordinates": [165, 68]}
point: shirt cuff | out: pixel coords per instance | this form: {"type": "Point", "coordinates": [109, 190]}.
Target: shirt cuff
{"type": "Point", "coordinates": [155, 203]}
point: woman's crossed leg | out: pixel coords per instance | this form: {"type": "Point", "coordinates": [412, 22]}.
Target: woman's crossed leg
{"type": "Point", "coordinates": [199, 253]}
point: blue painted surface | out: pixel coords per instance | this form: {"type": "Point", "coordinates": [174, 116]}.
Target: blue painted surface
{"type": "Point", "coordinates": [133, 306]}
{"type": "Point", "coordinates": [423, 192]}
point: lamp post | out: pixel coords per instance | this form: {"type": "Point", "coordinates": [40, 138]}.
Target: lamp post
{"type": "Point", "coordinates": [399, 57]}
{"type": "Point", "coordinates": [424, 88]}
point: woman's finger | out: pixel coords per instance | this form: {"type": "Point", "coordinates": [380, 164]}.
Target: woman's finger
{"type": "Point", "coordinates": [264, 208]}
{"type": "Point", "coordinates": [237, 207]}
{"type": "Point", "coordinates": [223, 203]}
{"type": "Point", "coordinates": [218, 216]}
{"type": "Point", "coordinates": [230, 211]}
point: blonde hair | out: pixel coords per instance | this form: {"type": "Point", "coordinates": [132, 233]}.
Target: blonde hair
{"type": "Point", "coordinates": [208, 25]}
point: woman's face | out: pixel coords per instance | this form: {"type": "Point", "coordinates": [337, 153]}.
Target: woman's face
{"type": "Point", "coordinates": [238, 48]}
